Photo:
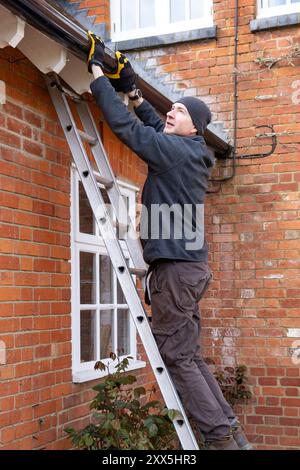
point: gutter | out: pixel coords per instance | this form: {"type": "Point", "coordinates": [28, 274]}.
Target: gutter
{"type": "Point", "coordinates": [51, 20]}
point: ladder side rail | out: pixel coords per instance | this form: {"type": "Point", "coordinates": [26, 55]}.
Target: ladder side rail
{"type": "Point", "coordinates": [132, 241]}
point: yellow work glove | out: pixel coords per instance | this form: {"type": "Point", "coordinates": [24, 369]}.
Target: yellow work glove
{"type": "Point", "coordinates": [96, 52]}
{"type": "Point", "coordinates": [123, 79]}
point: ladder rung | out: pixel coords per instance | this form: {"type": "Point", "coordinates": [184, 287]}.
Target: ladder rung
{"type": "Point", "coordinates": [138, 272]}
{"type": "Point", "coordinates": [122, 227]}
{"type": "Point", "coordinates": [88, 138]}
{"type": "Point", "coordinates": [107, 183]}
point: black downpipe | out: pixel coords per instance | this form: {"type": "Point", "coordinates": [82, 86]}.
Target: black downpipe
{"type": "Point", "coordinates": [235, 75]}
{"type": "Point", "coordinates": [232, 150]}
{"type": "Point", "coordinates": [235, 97]}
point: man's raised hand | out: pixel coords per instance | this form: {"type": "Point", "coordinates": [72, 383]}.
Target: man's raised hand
{"type": "Point", "coordinates": [96, 52]}
{"type": "Point", "coordinates": [123, 79]}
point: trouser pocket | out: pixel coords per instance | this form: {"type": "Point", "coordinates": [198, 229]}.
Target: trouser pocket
{"type": "Point", "coordinates": [194, 281]}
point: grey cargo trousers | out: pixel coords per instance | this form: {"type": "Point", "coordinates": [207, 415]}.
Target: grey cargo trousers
{"type": "Point", "coordinates": [176, 288]}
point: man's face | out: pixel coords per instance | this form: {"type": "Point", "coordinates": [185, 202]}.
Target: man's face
{"type": "Point", "coordinates": [179, 121]}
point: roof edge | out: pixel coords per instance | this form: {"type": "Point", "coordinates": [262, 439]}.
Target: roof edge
{"type": "Point", "coordinates": [56, 23]}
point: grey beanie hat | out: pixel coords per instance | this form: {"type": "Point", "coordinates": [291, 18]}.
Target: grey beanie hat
{"type": "Point", "coordinates": [199, 112]}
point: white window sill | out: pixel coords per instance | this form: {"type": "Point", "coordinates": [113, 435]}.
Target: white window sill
{"type": "Point", "coordinates": [91, 374]}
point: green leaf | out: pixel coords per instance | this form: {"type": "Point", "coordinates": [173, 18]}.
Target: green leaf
{"type": "Point", "coordinates": [99, 387]}
{"type": "Point", "coordinates": [99, 416]}
{"type": "Point", "coordinates": [139, 391]}
{"type": "Point", "coordinates": [127, 379]}
{"type": "Point", "coordinates": [100, 366]}
{"type": "Point", "coordinates": [153, 430]}
{"type": "Point", "coordinates": [120, 404]}
{"type": "Point", "coordinates": [152, 404]}
{"type": "Point", "coordinates": [123, 365]}
{"type": "Point", "coordinates": [116, 425]}
{"type": "Point", "coordinates": [88, 440]}
{"type": "Point", "coordinates": [173, 414]}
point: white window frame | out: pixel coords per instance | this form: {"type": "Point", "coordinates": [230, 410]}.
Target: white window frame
{"type": "Point", "coordinates": [84, 371]}
{"type": "Point", "coordinates": [162, 24]}
{"type": "Point", "coordinates": [264, 11]}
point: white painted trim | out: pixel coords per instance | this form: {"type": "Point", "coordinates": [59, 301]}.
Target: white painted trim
{"type": "Point", "coordinates": [11, 28]}
{"type": "Point", "coordinates": [130, 186]}
{"type": "Point", "coordinates": [264, 11]}
{"type": "Point", "coordinates": [45, 54]}
{"type": "Point", "coordinates": [94, 244]}
{"type": "Point", "coordinates": [163, 25]}
{"type": "Point", "coordinates": [75, 73]}
{"type": "Point", "coordinates": [75, 335]}
{"type": "Point", "coordinates": [87, 375]}
{"type": "Point", "coordinates": [2, 92]}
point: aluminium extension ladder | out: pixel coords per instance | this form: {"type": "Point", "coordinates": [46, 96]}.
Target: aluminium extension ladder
{"type": "Point", "coordinates": [75, 139]}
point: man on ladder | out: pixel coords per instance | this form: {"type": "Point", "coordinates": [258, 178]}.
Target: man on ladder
{"type": "Point", "coordinates": [179, 166]}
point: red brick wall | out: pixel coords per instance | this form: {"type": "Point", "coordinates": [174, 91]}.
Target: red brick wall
{"type": "Point", "coordinates": [252, 308]}
{"type": "Point", "coordinates": [252, 222]}
{"type": "Point", "coordinates": [37, 397]}
{"type": "Point", "coordinates": [252, 228]}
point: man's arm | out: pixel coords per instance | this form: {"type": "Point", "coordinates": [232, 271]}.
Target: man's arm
{"type": "Point", "coordinates": [142, 108]}
{"type": "Point", "coordinates": [146, 113]}
{"type": "Point", "coordinates": [158, 150]}
{"type": "Point", "coordinates": [122, 79]}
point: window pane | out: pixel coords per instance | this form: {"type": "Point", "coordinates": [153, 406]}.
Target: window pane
{"type": "Point", "coordinates": [123, 228]}
{"type": "Point", "coordinates": [107, 203]}
{"type": "Point", "coordinates": [120, 296]}
{"type": "Point", "coordinates": [275, 3]}
{"type": "Point", "coordinates": [86, 218]}
{"type": "Point", "coordinates": [128, 15]}
{"type": "Point", "coordinates": [147, 13]}
{"type": "Point", "coordinates": [177, 10]}
{"type": "Point", "coordinates": [105, 198]}
{"type": "Point", "coordinates": [87, 335]}
{"type": "Point", "coordinates": [123, 332]}
{"type": "Point", "coordinates": [106, 328]}
{"type": "Point", "coordinates": [87, 278]}
{"type": "Point", "coordinates": [197, 9]}
{"type": "Point", "coordinates": [106, 281]}
{"type": "Point", "coordinates": [295, 1]}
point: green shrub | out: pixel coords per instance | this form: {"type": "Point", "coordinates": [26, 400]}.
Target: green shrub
{"type": "Point", "coordinates": [233, 383]}
{"type": "Point", "coordinates": [121, 421]}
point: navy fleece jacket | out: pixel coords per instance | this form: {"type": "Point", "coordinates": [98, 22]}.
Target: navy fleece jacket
{"type": "Point", "coordinates": [178, 172]}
